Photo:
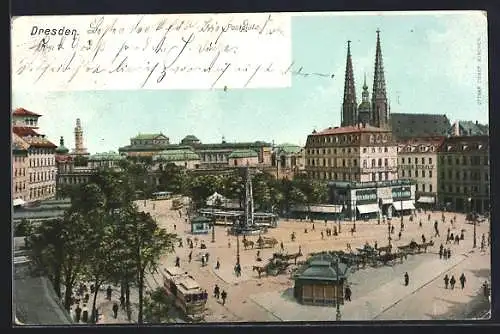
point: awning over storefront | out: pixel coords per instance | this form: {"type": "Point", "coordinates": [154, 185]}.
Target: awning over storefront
{"type": "Point", "coordinates": [387, 200]}
{"type": "Point", "coordinates": [327, 208]}
{"type": "Point", "coordinates": [368, 208]}
{"type": "Point", "coordinates": [426, 200]}
{"type": "Point", "coordinates": [18, 201]}
{"type": "Point", "coordinates": [406, 205]}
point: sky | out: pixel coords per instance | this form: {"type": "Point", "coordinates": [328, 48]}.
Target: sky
{"type": "Point", "coordinates": [430, 64]}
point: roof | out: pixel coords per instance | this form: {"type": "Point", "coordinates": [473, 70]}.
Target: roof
{"type": "Point", "coordinates": [348, 129]}
{"type": "Point", "coordinates": [24, 131]}
{"type": "Point", "coordinates": [201, 219]}
{"type": "Point", "coordinates": [24, 112]}
{"type": "Point", "coordinates": [242, 145]}
{"type": "Point", "coordinates": [190, 138]}
{"type": "Point", "coordinates": [323, 267]}
{"type": "Point", "coordinates": [18, 144]}
{"type": "Point", "coordinates": [289, 148]}
{"type": "Point", "coordinates": [146, 136]}
{"type": "Point", "coordinates": [364, 106]}
{"type": "Point", "coordinates": [106, 156]}
{"type": "Point", "coordinates": [176, 155]}
{"type": "Point", "coordinates": [243, 154]}
{"type": "Point", "coordinates": [470, 128]}
{"type": "Point", "coordinates": [465, 144]}
{"type": "Point", "coordinates": [419, 125]}
{"type": "Point", "coordinates": [420, 145]}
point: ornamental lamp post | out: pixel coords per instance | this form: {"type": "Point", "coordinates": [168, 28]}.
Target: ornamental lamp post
{"type": "Point", "coordinates": [213, 230]}
{"type": "Point", "coordinates": [338, 314]}
{"type": "Point", "coordinates": [474, 244]}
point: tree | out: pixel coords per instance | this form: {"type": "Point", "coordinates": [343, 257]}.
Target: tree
{"type": "Point", "coordinates": [23, 228]}
{"type": "Point", "coordinates": [156, 306]}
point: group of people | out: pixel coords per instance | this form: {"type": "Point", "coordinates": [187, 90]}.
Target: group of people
{"type": "Point", "coordinates": [451, 281]}
{"type": "Point", "coordinates": [218, 294]}
{"type": "Point", "coordinates": [444, 253]}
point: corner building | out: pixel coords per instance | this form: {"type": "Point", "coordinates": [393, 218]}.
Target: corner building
{"type": "Point", "coordinates": [352, 153]}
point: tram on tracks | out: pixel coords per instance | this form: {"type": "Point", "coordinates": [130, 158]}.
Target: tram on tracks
{"type": "Point", "coordinates": [189, 297]}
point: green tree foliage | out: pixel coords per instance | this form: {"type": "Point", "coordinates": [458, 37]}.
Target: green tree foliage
{"type": "Point", "coordinates": [157, 306]}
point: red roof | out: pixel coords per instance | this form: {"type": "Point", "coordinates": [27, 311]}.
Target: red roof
{"type": "Point", "coordinates": [349, 129]}
{"type": "Point", "coordinates": [42, 144]}
{"type": "Point", "coordinates": [24, 131]}
{"type": "Point", "coordinates": [63, 158]}
{"type": "Point", "coordinates": [24, 112]}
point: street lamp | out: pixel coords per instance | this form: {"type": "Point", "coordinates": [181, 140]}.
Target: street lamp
{"type": "Point", "coordinates": [474, 245]}
{"type": "Point", "coordinates": [338, 315]}
{"type": "Point", "coordinates": [237, 248]}
{"type": "Point", "coordinates": [213, 231]}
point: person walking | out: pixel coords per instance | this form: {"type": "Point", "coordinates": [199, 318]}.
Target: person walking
{"type": "Point", "coordinates": [175, 227]}
{"type": "Point", "coordinates": [223, 296]}
{"type": "Point", "coordinates": [399, 235]}
{"type": "Point", "coordinates": [217, 264]}
{"type": "Point", "coordinates": [282, 246]}
{"type": "Point", "coordinates": [420, 223]}
{"type": "Point", "coordinates": [203, 260]}
{"type": "Point", "coordinates": [446, 281]}
{"type": "Point", "coordinates": [322, 235]}
{"type": "Point", "coordinates": [122, 301]}
{"type": "Point", "coordinates": [348, 293]}
{"type": "Point", "coordinates": [190, 256]}
{"type": "Point", "coordinates": [217, 292]}
{"type": "Point", "coordinates": [177, 262]}
{"type": "Point", "coordinates": [449, 253]}
{"type": "Point", "coordinates": [313, 228]}
{"type": "Point", "coordinates": [441, 252]}
{"type": "Point", "coordinates": [407, 279]}
{"type": "Point", "coordinates": [462, 280]}
{"type": "Point", "coordinates": [109, 291]}
{"type": "Point", "coordinates": [115, 310]}
{"type": "Point", "coordinates": [452, 282]}
{"type": "Point", "coordinates": [85, 314]}
{"type": "Point", "coordinates": [78, 313]}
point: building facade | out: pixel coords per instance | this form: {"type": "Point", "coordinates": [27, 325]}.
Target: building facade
{"type": "Point", "coordinates": [464, 174]}
{"type": "Point", "coordinates": [183, 157]}
{"type": "Point", "coordinates": [354, 153]}
{"type": "Point", "coordinates": [20, 165]}
{"type": "Point", "coordinates": [41, 155]}
{"type": "Point", "coordinates": [239, 158]}
{"type": "Point", "coordinates": [287, 160]}
{"type": "Point", "coordinates": [418, 161]}
{"type": "Point", "coordinates": [359, 200]}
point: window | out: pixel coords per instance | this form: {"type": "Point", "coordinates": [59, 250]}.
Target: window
{"type": "Point", "coordinates": [374, 177]}
{"type": "Point", "coordinates": [380, 176]}
{"type": "Point", "coordinates": [430, 187]}
{"type": "Point", "coordinates": [373, 162]}
{"type": "Point", "coordinates": [386, 149]}
{"type": "Point", "coordinates": [486, 176]}
{"type": "Point", "coordinates": [457, 175]}
{"type": "Point", "coordinates": [380, 162]}
{"type": "Point", "coordinates": [430, 161]}
{"type": "Point", "coordinates": [430, 174]}
{"type": "Point", "coordinates": [416, 187]}
{"type": "Point", "coordinates": [386, 175]}
{"type": "Point", "coordinates": [373, 149]}
{"type": "Point", "coordinates": [402, 160]}
{"type": "Point", "coordinates": [450, 175]}
{"type": "Point", "coordinates": [343, 162]}
{"type": "Point", "coordinates": [423, 173]}
{"type": "Point", "coordinates": [486, 161]}
{"type": "Point", "coordinates": [364, 149]}
{"type": "Point", "coordinates": [403, 173]}
{"type": "Point", "coordinates": [416, 173]}
{"type": "Point", "coordinates": [386, 162]}
{"type": "Point", "coordinates": [423, 161]}
{"type": "Point", "coordinates": [364, 164]}
{"type": "Point", "coordinates": [423, 187]}
{"type": "Point", "coordinates": [465, 176]}
{"type": "Point", "coordinates": [355, 162]}
{"type": "Point", "coordinates": [416, 161]}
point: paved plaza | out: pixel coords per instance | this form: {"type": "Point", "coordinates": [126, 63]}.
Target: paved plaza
{"type": "Point", "coordinates": [377, 293]}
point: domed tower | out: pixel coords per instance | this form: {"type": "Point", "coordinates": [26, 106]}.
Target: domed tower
{"type": "Point", "coordinates": [365, 108]}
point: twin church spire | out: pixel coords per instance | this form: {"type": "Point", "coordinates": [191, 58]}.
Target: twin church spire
{"type": "Point", "coordinates": [375, 113]}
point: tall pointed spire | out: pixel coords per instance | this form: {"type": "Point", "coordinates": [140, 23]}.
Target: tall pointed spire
{"type": "Point", "coordinates": [79, 148]}
{"type": "Point", "coordinates": [365, 107]}
{"type": "Point", "coordinates": [349, 106]}
{"type": "Point", "coordinates": [380, 110]}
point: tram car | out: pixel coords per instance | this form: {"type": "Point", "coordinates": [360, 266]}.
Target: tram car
{"type": "Point", "coordinates": [186, 292]}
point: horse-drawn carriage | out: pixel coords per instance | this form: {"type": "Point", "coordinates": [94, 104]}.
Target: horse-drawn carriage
{"type": "Point", "coordinates": [413, 247]}
{"type": "Point", "coordinates": [274, 267]}
{"type": "Point", "coordinates": [265, 242]}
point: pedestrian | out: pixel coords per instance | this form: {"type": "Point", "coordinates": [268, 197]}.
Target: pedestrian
{"type": "Point", "coordinates": [402, 226]}
{"type": "Point", "coordinates": [407, 279]}
{"type": "Point", "coordinates": [122, 301]}
{"type": "Point", "coordinates": [423, 239]}
{"type": "Point", "coordinates": [216, 291]}
{"type": "Point", "coordinates": [224, 297]}
{"type": "Point", "coordinates": [78, 313]}
{"type": "Point", "coordinates": [180, 244]}
{"type": "Point", "coordinates": [399, 235]}
{"type": "Point", "coordinates": [348, 293]}
{"type": "Point", "coordinates": [177, 262]}
{"type": "Point", "coordinates": [217, 265]}
{"type": "Point", "coordinates": [313, 228]}
{"type": "Point", "coordinates": [326, 221]}
{"type": "Point", "coordinates": [462, 280]}
{"type": "Point", "coordinates": [446, 281]}
{"type": "Point", "coordinates": [457, 239]}
{"type": "Point", "coordinates": [190, 256]}
{"type": "Point", "coordinates": [109, 291]}
{"type": "Point", "coordinates": [486, 289]}
{"type": "Point", "coordinates": [441, 252]}
{"type": "Point", "coordinates": [375, 245]}
{"type": "Point", "coordinates": [228, 243]}
{"type": "Point", "coordinates": [462, 236]}
{"type": "Point", "coordinates": [392, 229]}
{"type": "Point", "coordinates": [420, 223]}
{"type": "Point", "coordinates": [452, 282]}
{"type": "Point", "coordinates": [206, 256]}
{"type": "Point", "coordinates": [85, 314]}
{"type": "Point", "coordinates": [203, 260]}
{"type": "Point", "coordinates": [282, 246]}
{"type": "Point", "coordinates": [322, 235]}
{"type": "Point", "coordinates": [449, 253]}
{"type": "Point", "coordinates": [175, 227]}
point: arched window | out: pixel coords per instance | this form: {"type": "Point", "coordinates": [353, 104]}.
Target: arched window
{"type": "Point", "coordinates": [380, 162]}
{"type": "Point", "coordinates": [373, 162]}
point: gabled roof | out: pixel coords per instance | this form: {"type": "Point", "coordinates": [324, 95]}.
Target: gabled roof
{"type": "Point", "coordinates": [419, 125]}
{"type": "Point", "coordinates": [18, 144]}
{"type": "Point", "coordinates": [146, 136]}
{"type": "Point", "coordinates": [348, 129]}
{"type": "Point", "coordinates": [469, 128]}
{"type": "Point", "coordinates": [289, 148]}
{"type": "Point", "coordinates": [24, 112]}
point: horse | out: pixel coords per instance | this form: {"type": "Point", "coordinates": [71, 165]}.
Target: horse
{"type": "Point", "coordinates": [248, 243]}
{"type": "Point", "coordinates": [259, 270]}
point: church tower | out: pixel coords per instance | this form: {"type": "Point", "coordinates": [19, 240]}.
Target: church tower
{"type": "Point", "coordinates": [380, 108]}
{"type": "Point", "coordinates": [365, 107]}
{"type": "Point", "coordinates": [79, 149]}
{"type": "Point", "coordinates": [349, 106]}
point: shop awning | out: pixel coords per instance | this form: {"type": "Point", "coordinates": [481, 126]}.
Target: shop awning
{"type": "Point", "coordinates": [18, 201]}
{"type": "Point", "coordinates": [406, 205]}
{"type": "Point", "coordinates": [327, 208]}
{"type": "Point", "coordinates": [387, 200]}
{"type": "Point", "coordinates": [368, 208]}
{"type": "Point", "coordinates": [426, 200]}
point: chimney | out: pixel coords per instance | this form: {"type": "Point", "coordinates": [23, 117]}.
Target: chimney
{"type": "Point", "coordinates": [477, 122]}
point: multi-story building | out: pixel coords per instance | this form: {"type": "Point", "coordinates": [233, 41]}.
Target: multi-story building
{"type": "Point", "coordinates": [41, 155]}
{"type": "Point", "coordinates": [468, 128]}
{"type": "Point", "coordinates": [407, 126]}
{"type": "Point", "coordinates": [287, 161]}
{"type": "Point", "coordinates": [20, 174]}
{"type": "Point", "coordinates": [464, 174]}
{"type": "Point", "coordinates": [211, 156]}
{"type": "Point", "coordinates": [418, 161]}
{"type": "Point", "coordinates": [353, 153]}
{"type": "Point", "coordinates": [182, 157]}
